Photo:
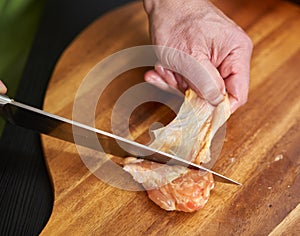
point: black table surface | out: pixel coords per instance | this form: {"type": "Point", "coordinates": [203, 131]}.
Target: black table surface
{"type": "Point", "coordinates": [26, 195]}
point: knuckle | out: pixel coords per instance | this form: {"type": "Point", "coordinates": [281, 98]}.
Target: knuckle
{"type": "Point", "coordinates": [243, 99]}
{"type": "Point", "coordinates": [247, 42]}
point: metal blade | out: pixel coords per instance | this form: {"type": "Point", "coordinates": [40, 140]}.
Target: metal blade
{"type": "Point", "coordinates": [75, 132]}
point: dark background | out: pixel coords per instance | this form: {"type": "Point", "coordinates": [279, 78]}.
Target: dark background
{"type": "Point", "coordinates": [26, 196]}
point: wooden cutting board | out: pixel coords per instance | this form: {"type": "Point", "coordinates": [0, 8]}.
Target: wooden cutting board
{"type": "Point", "coordinates": [262, 148]}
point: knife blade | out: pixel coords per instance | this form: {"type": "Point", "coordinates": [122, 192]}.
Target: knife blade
{"type": "Point", "coordinates": [71, 131]}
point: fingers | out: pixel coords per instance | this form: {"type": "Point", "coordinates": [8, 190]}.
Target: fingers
{"type": "Point", "coordinates": [159, 81]}
{"type": "Point", "coordinates": [182, 84]}
{"type": "Point", "coordinates": [237, 88]}
{"type": "Point", "coordinates": [171, 78]}
{"type": "Point", "coordinates": [164, 79]}
{"type": "Point", "coordinates": [154, 78]}
{"type": "Point", "coordinates": [199, 73]}
{"type": "Point", "coordinates": [235, 69]}
{"type": "Point", "coordinates": [3, 88]}
{"type": "Point", "coordinates": [184, 71]}
{"type": "Point", "coordinates": [209, 82]}
{"type": "Point", "coordinates": [167, 75]}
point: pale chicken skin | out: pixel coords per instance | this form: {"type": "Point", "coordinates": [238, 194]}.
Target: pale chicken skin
{"type": "Point", "coordinates": [188, 136]}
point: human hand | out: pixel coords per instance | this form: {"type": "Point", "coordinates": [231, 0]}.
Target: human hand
{"type": "Point", "coordinates": [3, 89]}
{"type": "Point", "coordinates": [199, 29]}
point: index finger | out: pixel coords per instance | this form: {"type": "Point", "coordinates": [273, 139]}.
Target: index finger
{"type": "Point", "coordinates": [3, 88]}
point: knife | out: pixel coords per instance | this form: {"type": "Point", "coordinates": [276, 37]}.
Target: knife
{"type": "Point", "coordinates": [68, 130]}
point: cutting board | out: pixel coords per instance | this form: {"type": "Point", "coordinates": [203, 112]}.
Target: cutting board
{"type": "Point", "coordinates": [261, 149]}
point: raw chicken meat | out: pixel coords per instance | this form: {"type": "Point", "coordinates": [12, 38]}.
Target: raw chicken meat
{"type": "Point", "coordinates": [172, 187]}
{"type": "Point", "coordinates": [188, 193]}
{"type": "Point", "coordinates": [188, 136]}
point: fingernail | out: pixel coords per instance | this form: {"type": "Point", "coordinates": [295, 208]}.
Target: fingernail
{"type": "Point", "coordinates": [216, 101]}
{"type": "Point", "coordinates": [160, 69]}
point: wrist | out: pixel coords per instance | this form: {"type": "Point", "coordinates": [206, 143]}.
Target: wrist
{"type": "Point", "coordinates": [173, 5]}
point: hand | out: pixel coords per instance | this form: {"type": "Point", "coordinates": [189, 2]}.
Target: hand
{"type": "Point", "coordinates": [199, 29]}
{"type": "Point", "coordinates": [3, 89]}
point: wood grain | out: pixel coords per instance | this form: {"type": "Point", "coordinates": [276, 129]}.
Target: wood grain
{"type": "Point", "coordinates": [262, 142]}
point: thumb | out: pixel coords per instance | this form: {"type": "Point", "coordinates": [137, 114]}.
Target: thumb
{"type": "Point", "coordinates": [200, 74]}
{"type": "Point", "coordinates": [207, 82]}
